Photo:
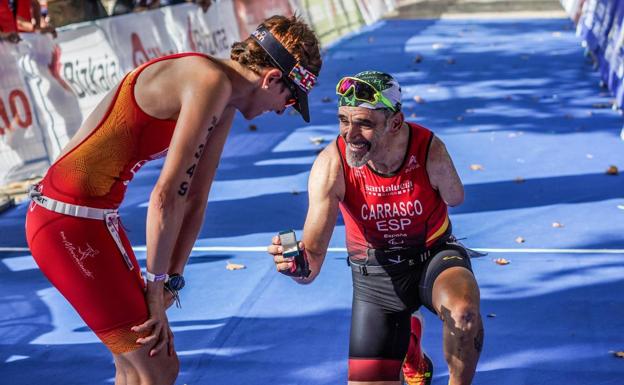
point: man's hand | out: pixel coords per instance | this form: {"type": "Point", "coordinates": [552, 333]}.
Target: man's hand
{"type": "Point", "coordinates": [287, 266]}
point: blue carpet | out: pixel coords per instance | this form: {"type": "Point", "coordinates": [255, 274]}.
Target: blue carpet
{"type": "Point", "coordinates": [513, 96]}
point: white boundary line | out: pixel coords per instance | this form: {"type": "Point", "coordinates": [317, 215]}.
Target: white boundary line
{"type": "Point", "coordinates": [251, 249]}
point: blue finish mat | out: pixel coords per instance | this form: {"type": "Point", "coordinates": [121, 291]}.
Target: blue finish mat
{"type": "Point", "coordinates": [522, 116]}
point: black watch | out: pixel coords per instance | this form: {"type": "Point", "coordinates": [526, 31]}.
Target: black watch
{"type": "Point", "coordinates": [175, 282]}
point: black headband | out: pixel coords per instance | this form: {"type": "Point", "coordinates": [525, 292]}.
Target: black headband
{"type": "Point", "coordinates": [280, 55]}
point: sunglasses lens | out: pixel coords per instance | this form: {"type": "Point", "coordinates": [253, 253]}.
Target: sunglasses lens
{"type": "Point", "coordinates": [292, 100]}
{"type": "Point", "coordinates": [363, 91]}
{"type": "Point", "coordinates": [344, 85]}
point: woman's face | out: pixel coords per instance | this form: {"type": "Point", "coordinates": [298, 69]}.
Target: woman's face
{"type": "Point", "coordinates": [273, 95]}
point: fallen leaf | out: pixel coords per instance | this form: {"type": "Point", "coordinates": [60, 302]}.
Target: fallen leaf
{"type": "Point", "coordinates": [619, 354]}
{"type": "Point", "coordinates": [419, 99]}
{"type": "Point", "coordinates": [235, 266]}
{"type": "Point", "coordinates": [520, 240]}
{"type": "Point", "coordinates": [317, 140]}
{"type": "Point", "coordinates": [612, 170]}
{"type": "Point", "coordinates": [557, 225]}
{"type": "Point", "coordinates": [476, 167]}
{"type": "Point", "coordinates": [253, 127]}
{"type": "Point", "coordinates": [502, 261]}
{"type": "Point", "coordinates": [492, 315]}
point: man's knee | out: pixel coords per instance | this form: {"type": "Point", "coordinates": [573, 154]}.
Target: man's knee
{"type": "Point", "coordinates": [462, 318]}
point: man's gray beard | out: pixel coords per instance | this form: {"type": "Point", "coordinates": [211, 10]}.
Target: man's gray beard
{"type": "Point", "coordinates": [354, 161]}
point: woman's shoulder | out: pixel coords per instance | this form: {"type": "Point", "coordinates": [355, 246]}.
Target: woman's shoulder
{"type": "Point", "coordinates": [201, 70]}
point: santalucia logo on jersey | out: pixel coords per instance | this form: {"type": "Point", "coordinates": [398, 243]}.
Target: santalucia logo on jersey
{"type": "Point", "coordinates": [394, 189]}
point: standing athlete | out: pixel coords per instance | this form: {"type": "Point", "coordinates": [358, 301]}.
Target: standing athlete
{"type": "Point", "coordinates": [393, 182]}
{"type": "Point", "coordinates": [181, 106]}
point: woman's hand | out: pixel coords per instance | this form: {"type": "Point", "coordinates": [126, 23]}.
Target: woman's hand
{"type": "Point", "coordinates": [161, 336]}
{"type": "Point", "coordinates": [168, 298]}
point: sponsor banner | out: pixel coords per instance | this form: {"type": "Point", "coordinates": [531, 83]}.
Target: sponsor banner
{"type": "Point", "coordinates": [47, 87]}
{"type": "Point", "coordinates": [594, 20]}
{"type": "Point", "coordinates": [611, 67]}
{"type": "Point", "coordinates": [54, 101]}
{"type": "Point", "coordinates": [251, 13]}
{"type": "Point", "coordinates": [137, 37]}
{"type": "Point", "coordinates": [573, 8]}
{"type": "Point", "coordinates": [22, 148]}
{"type": "Point", "coordinates": [332, 19]}
{"type": "Point", "coordinates": [603, 23]}
{"type": "Point", "coordinates": [212, 32]}
{"type": "Point", "coordinates": [88, 65]}
{"type": "Point", "coordinates": [373, 10]}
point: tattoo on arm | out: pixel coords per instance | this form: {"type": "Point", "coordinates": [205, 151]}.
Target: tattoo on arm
{"type": "Point", "coordinates": [184, 186]}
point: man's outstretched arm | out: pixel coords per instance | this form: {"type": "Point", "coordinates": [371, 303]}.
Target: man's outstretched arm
{"type": "Point", "coordinates": [325, 189]}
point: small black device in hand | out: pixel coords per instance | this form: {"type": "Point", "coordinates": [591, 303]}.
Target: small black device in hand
{"type": "Point", "coordinates": [290, 245]}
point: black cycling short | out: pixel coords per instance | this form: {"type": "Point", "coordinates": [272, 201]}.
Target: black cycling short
{"type": "Point", "coordinates": [384, 299]}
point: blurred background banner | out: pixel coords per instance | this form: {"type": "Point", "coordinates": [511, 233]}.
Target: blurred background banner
{"type": "Point", "coordinates": [21, 142]}
{"type": "Point", "coordinates": [212, 32]}
{"type": "Point", "coordinates": [250, 13]}
{"type": "Point", "coordinates": [48, 86]}
{"type": "Point", "coordinates": [599, 25]}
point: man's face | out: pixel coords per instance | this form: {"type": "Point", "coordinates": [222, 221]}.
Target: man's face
{"type": "Point", "coordinates": [362, 129]}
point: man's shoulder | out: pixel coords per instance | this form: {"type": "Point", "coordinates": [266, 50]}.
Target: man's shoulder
{"type": "Point", "coordinates": [329, 156]}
